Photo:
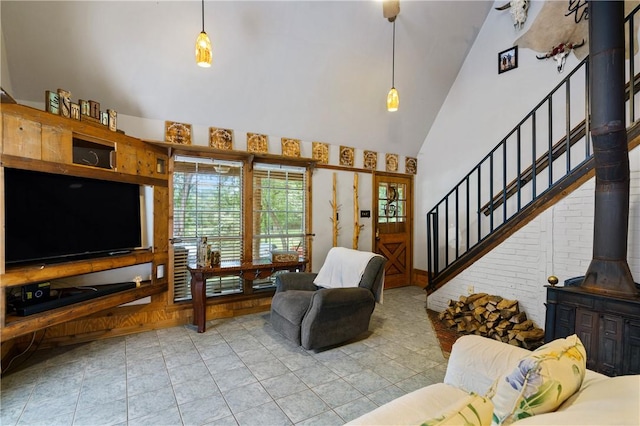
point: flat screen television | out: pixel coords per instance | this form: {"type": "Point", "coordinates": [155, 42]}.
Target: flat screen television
{"type": "Point", "coordinates": [51, 218]}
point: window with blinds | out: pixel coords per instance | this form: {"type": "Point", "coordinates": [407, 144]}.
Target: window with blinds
{"type": "Point", "coordinates": [207, 202]}
{"type": "Point", "coordinates": [279, 206]}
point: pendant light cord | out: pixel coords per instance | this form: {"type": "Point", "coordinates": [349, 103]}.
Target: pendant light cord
{"type": "Point", "coordinates": [393, 57]}
{"type": "Point", "coordinates": [203, 17]}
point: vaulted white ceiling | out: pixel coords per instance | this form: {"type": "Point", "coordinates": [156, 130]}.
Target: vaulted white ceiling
{"type": "Point", "coordinates": [311, 70]}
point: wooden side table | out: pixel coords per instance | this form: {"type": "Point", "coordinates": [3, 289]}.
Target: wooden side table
{"type": "Point", "coordinates": [249, 271]}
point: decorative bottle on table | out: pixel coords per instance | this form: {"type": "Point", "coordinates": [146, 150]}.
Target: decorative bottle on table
{"type": "Point", "coordinates": [204, 253]}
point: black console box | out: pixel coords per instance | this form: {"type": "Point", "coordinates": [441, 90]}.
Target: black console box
{"type": "Point", "coordinates": [32, 294]}
{"type": "Point", "coordinates": [73, 295]}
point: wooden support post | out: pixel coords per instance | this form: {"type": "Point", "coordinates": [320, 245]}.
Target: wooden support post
{"type": "Point", "coordinates": [334, 218]}
{"type": "Point", "coordinates": [356, 224]}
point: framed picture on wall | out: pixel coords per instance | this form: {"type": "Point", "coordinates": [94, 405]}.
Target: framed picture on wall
{"type": "Point", "coordinates": [508, 59]}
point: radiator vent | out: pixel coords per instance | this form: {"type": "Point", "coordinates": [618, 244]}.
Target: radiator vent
{"type": "Point", "coordinates": [181, 277]}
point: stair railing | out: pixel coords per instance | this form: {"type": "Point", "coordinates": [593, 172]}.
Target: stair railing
{"type": "Point", "coordinates": [541, 151]}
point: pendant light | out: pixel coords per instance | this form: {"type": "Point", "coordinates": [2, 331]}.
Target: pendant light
{"type": "Point", "coordinates": [393, 99]}
{"type": "Point", "coordinates": [203, 46]}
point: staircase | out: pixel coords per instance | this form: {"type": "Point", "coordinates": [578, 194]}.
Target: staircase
{"type": "Point", "coordinates": [542, 159]}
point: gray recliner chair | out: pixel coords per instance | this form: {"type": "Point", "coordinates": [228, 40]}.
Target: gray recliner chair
{"type": "Point", "coordinates": [316, 317]}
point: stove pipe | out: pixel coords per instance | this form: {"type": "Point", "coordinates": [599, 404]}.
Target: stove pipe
{"type": "Point", "coordinates": [609, 271]}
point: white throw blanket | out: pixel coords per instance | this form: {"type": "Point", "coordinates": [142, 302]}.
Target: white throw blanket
{"type": "Point", "coordinates": [344, 267]}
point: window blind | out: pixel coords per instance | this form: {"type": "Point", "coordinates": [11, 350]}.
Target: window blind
{"type": "Point", "coordinates": [279, 209]}
{"type": "Point", "coordinates": [207, 202]}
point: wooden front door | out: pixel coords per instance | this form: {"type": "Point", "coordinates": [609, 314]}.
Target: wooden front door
{"type": "Point", "coordinates": [393, 219]}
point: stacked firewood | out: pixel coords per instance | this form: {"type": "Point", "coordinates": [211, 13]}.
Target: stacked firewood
{"type": "Point", "coordinates": [494, 317]}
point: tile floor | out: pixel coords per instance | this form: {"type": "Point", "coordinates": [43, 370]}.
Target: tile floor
{"type": "Point", "coordinates": [240, 372]}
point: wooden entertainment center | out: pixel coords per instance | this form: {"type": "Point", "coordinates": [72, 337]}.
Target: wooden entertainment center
{"type": "Point", "coordinates": [40, 141]}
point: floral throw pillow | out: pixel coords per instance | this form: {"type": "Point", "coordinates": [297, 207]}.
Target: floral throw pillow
{"type": "Point", "coordinates": [541, 382]}
{"type": "Point", "coordinates": [475, 410]}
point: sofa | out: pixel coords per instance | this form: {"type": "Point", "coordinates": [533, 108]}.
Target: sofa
{"type": "Point", "coordinates": [481, 369]}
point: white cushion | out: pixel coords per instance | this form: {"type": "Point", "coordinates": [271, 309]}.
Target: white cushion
{"type": "Point", "coordinates": [413, 408]}
{"type": "Point", "coordinates": [476, 362]}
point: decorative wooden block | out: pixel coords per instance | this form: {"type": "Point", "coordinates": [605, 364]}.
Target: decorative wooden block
{"type": "Point", "coordinates": [411, 165]}
{"type": "Point", "coordinates": [279, 256]}
{"type": "Point", "coordinates": [75, 111]}
{"type": "Point", "coordinates": [370, 160]}
{"type": "Point", "coordinates": [290, 147]}
{"type": "Point", "coordinates": [320, 152]}
{"type": "Point", "coordinates": [257, 143]}
{"type": "Point", "coordinates": [113, 120]}
{"type": "Point", "coordinates": [346, 156]}
{"type": "Point", "coordinates": [65, 103]}
{"type": "Point", "coordinates": [179, 133]}
{"type": "Point", "coordinates": [52, 102]}
{"type": "Point", "coordinates": [84, 107]}
{"type": "Point", "coordinates": [391, 160]}
{"type": "Point", "coordinates": [94, 109]}
{"type": "Point", "coordinates": [221, 138]}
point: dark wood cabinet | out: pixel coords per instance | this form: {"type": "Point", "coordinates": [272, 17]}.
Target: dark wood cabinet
{"type": "Point", "coordinates": [609, 327]}
{"type": "Point", "coordinates": [586, 327]}
{"type": "Point", "coordinates": [631, 357]}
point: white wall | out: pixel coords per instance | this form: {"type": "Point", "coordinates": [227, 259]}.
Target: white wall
{"type": "Point", "coordinates": [322, 212]}
{"type": "Point", "coordinates": [5, 80]}
{"type": "Point", "coordinates": [480, 109]}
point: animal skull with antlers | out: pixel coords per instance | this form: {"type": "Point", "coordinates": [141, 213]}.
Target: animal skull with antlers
{"type": "Point", "coordinates": [560, 52]}
{"type": "Point", "coordinates": [519, 10]}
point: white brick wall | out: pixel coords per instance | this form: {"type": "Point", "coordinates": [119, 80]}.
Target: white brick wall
{"type": "Point", "coordinates": [558, 242]}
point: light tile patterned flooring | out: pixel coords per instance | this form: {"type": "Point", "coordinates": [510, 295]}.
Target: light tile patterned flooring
{"type": "Point", "coordinates": [240, 372]}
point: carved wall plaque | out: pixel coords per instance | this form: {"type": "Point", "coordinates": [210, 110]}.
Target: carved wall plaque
{"type": "Point", "coordinates": [257, 143]}
{"type": "Point", "coordinates": [411, 165]}
{"type": "Point", "coordinates": [346, 156]}
{"type": "Point", "coordinates": [392, 162]}
{"type": "Point", "coordinates": [221, 138]}
{"type": "Point", "coordinates": [320, 152]}
{"type": "Point", "coordinates": [290, 147]}
{"type": "Point", "coordinates": [370, 160]}
{"type": "Point", "coordinates": [179, 133]}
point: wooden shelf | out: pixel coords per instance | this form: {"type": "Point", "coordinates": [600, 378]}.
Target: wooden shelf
{"type": "Point", "coordinates": [17, 162]}
{"type": "Point", "coordinates": [17, 326]}
{"type": "Point", "coordinates": [251, 157]}
{"type": "Point", "coordinates": [39, 141]}
{"type": "Point", "coordinates": [39, 273]}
